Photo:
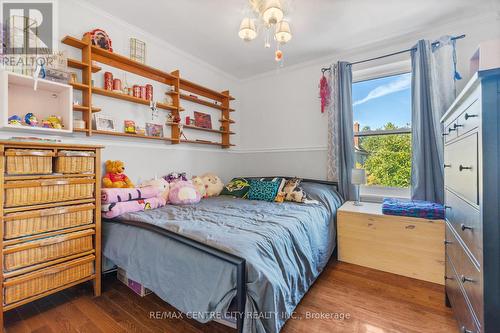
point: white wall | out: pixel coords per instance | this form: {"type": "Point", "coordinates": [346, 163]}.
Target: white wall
{"type": "Point", "coordinates": [280, 128]}
{"type": "Point", "coordinates": [145, 158]}
{"type": "Point", "coordinates": [286, 131]}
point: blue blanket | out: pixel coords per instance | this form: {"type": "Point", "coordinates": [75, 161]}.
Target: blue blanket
{"type": "Point", "coordinates": [286, 247]}
{"type": "Point", "coordinates": [413, 208]}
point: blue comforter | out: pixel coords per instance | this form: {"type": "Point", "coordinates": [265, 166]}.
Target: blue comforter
{"type": "Point", "coordinates": [286, 247]}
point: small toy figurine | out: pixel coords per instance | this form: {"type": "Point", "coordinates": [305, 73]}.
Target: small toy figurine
{"type": "Point", "coordinates": [15, 120]}
{"type": "Point", "coordinates": [30, 119]}
{"type": "Point", "coordinates": [46, 124]}
{"type": "Point", "coordinates": [55, 122]}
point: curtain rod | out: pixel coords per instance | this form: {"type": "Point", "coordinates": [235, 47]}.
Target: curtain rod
{"type": "Point", "coordinates": [324, 69]}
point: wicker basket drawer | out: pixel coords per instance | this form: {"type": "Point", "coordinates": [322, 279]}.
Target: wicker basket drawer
{"type": "Point", "coordinates": [44, 220]}
{"type": "Point", "coordinates": [35, 192]}
{"type": "Point", "coordinates": [70, 161]}
{"type": "Point", "coordinates": [46, 249]}
{"type": "Point", "coordinates": [28, 161]}
{"type": "Point", "coordinates": [32, 284]}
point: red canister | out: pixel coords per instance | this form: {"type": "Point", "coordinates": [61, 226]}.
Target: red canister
{"type": "Point", "coordinates": [149, 92]}
{"type": "Point", "coordinates": [143, 92]}
{"type": "Point", "coordinates": [117, 85]}
{"type": "Point", "coordinates": [108, 81]}
{"type": "Point", "coordinates": [136, 91]}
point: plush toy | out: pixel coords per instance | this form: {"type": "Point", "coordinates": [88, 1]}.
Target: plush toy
{"type": "Point", "coordinates": [30, 119]}
{"type": "Point", "coordinates": [200, 186]}
{"type": "Point", "coordinates": [114, 176]}
{"type": "Point", "coordinates": [175, 176]}
{"type": "Point", "coordinates": [183, 193]}
{"type": "Point", "coordinates": [55, 122]}
{"type": "Point", "coordinates": [15, 120]}
{"type": "Point", "coordinates": [213, 184]}
{"type": "Point", "coordinates": [159, 183]}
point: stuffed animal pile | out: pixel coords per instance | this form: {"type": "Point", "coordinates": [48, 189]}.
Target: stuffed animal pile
{"type": "Point", "coordinates": [119, 195]}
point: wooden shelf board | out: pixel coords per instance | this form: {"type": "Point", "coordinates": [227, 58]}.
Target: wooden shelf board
{"type": "Point", "coordinates": [129, 98]}
{"type": "Point", "coordinates": [201, 101]}
{"type": "Point", "coordinates": [171, 93]}
{"type": "Point", "coordinates": [130, 135]}
{"type": "Point", "coordinates": [73, 63]}
{"type": "Point", "coordinates": [201, 90]}
{"type": "Point", "coordinates": [83, 130]}
{"type": "Point", "coordinates": [227, 121]}
{"type": "Point", "coordinates": [75, 42]}
{"type": "Point", "coordinates": [78, 85]}
{"type": "Point", "coordinates": [206, 129]}
{"type": "Point", "coordinates": [77, 107]}
{"type": "Point", "coordinates": [202, 142]}
{"type": "Point", "coordinates": [127, 64]}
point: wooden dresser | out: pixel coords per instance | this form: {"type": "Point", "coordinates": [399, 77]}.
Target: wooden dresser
{"type": "Point", "coordinates": [51, 229]}
{"type": "Point", "coordinates": [472, 182]}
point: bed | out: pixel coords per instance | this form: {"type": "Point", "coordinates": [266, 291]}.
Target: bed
{"type": "Point", "coordinates": [260, 257]}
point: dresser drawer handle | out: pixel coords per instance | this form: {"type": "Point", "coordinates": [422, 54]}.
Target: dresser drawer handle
{"type": "Point", "coordinates": [465, 227]}
{"type": "Point", "coordinates": [455, 126]}
{"type": "Point", "coordinates": [461, 167]}
{"type": "Point", "coordinates": [464, 279]}
{"type": "Point", "coordinates": [451, 129]}
{"type": "Point", "coordinates": [448, 278]}
{"type": "Point", "coordinates": [447, 207]}
{"type": "Point", "coordinates": [464, 330]}
{"type": "Point", "coordinates": [467, 116]}
{"type": "Point", "coordinates": [446, 166]}
{"type": "Point", "coordinates": [446, 242]}
{"type": "Point", "coordinates": [445, 134]}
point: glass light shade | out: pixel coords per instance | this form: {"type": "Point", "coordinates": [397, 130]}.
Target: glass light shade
{"type": "Point", "coordinates": [247, 31]}
{"type": "Point", "coordinates": [272, 12]}
{"type": "Point", "coordinates": [358, 176]}
{"type": "Point", "coordinates": [283, 33]}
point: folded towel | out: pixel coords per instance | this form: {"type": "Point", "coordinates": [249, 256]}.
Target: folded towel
{"type": "Point", "coordinates": [414, 208]}
{"type": "Point", "coordinates": [119, 208]}
{"type": "Point", "coordinates": [112, 195]}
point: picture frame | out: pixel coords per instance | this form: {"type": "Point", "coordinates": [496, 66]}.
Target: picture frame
{"type": "Point", "coordinates": [105, 123]}
{"type": "Point", "coordinates": [129, 127]}
{"type": "Point", "coordinates": [202, 120]}
{"type": "Point", "coordinates": [155, 130]}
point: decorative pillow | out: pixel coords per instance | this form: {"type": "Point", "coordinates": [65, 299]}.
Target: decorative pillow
{"type": "Point", "coordinates": [237, 187]}
{"type": "Point", "coordinates": [264, 190]}
{"type": "Point", "coordinates": [293, 192]}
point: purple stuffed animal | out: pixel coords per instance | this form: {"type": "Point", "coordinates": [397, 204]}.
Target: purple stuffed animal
{"type": "Point", "coordinates": [175, 176]}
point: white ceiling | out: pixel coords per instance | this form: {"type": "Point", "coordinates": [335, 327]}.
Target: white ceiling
{"type": "Point", "coordinates": [208, 29]}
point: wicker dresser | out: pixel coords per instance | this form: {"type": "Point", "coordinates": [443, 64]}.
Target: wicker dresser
{"type": "Point", "coordinates": [51, 231]}
{"type": "Point", "coordinates": [472, 182]}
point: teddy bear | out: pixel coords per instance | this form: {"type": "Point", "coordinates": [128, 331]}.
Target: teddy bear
{"type": "Point", "coordinates": [213, 184]}
{"type": "Point", "coordinates": [159, 183]}
{"type": "Point", "coordinates": [200, 186]}
{"type": "Point", "coordinates": [115, 177]}
{"type": "Point", "coordinates": [183, 193]}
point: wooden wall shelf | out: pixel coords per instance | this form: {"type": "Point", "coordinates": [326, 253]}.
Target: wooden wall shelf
{"type": "Point", "coordinates": [109, 93]}
{"type": "Point", "coordinates": [92, 54]}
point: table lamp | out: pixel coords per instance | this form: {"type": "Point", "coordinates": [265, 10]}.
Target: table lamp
{"type": "Point", "coordinates": [358, 177]}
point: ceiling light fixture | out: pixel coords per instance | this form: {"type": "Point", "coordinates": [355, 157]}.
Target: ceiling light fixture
{"type": "Point", "coordinates": [268, 16]}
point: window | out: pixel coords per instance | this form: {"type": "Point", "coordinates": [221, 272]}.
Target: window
{"type": "Point", "coordinates": [382, 132]}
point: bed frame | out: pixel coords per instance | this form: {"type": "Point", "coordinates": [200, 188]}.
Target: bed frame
{"type": "Point", "coordinates": [238, 262]}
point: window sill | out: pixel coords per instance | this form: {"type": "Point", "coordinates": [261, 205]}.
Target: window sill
{"type": "Point", "coordinates": [378, 193]}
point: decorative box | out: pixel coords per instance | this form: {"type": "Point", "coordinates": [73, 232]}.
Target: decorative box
{"type": "Point", "coordinates": [136, 287]}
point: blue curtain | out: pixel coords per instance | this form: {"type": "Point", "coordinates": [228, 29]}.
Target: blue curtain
{"type": "Point", "coordinates": [433, 91]}
{"type": "Point", "coordinates": [345, 133]}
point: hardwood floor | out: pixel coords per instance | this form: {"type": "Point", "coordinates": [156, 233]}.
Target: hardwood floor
{"type": "Point", "coordinates": [375, 301]}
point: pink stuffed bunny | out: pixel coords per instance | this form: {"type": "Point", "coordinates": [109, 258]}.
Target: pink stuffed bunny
{"type": "Point", "coordinates": [183, 193]}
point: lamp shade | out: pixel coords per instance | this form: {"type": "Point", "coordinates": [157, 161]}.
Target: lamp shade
{"type": "Point", "coordinates": [247, 31]}
{"type": "Point", "coordinates": [272, 12]}
{"type": "Point", "coordinates": [283, 33]}
{"type": "Point", "coordinates": [358, 176]}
